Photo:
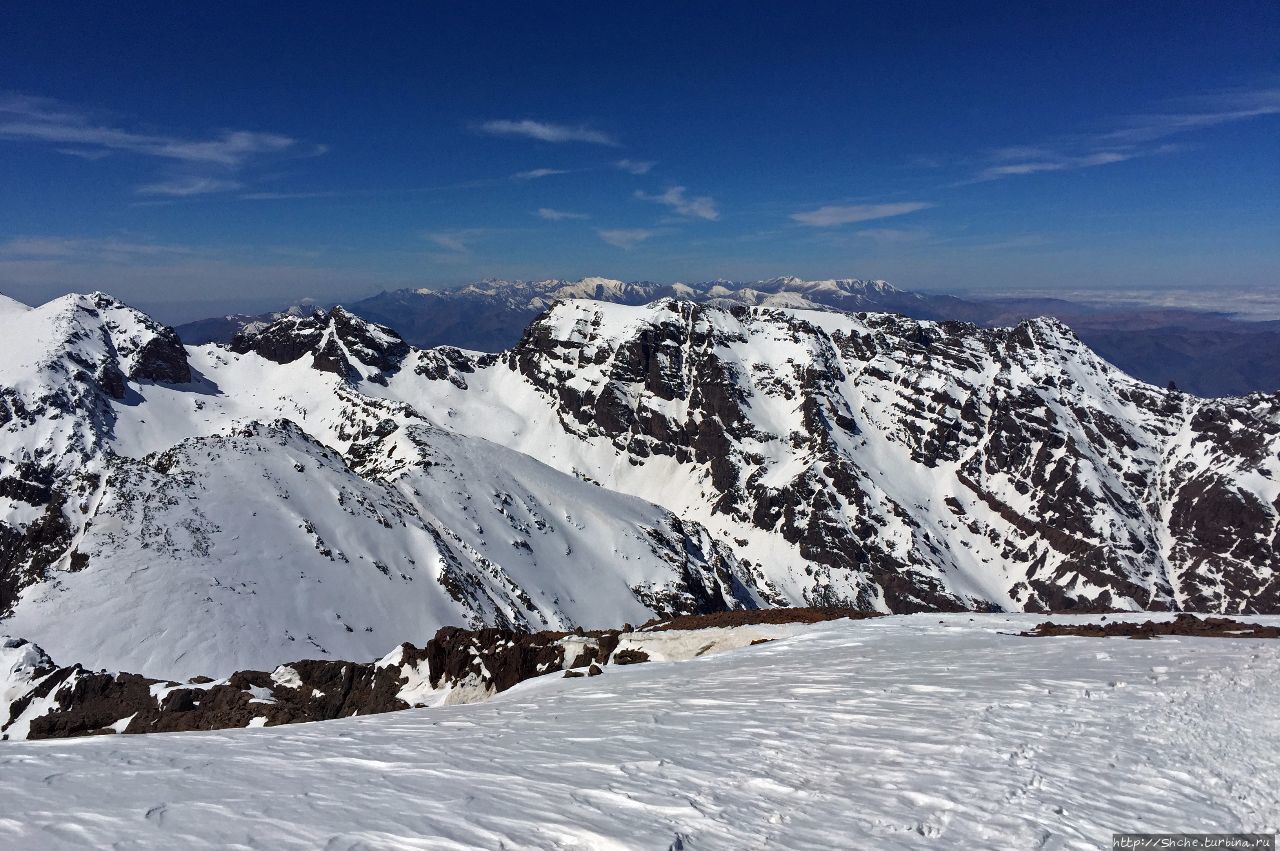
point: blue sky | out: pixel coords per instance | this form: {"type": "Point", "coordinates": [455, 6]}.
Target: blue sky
{"type": "Point", "coordinates": [194, 158]}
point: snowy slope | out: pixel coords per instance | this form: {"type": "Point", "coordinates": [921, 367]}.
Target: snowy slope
{"type": "Point", "coordinates": [620, 461]}
{"type": "Point", "coordinates": [258, 546]}
{"type": "Point", "coordinates": [904, 732]}
{"type": "Point", "coordinates": [192, 538]}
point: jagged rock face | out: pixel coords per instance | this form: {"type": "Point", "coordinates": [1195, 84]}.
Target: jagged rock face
{"type": "Point", "coordinates": [336, 341]}
{"type": "Point", "coordinates": [892, 452]}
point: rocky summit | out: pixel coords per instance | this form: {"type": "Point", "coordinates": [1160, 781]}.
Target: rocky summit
{"type": "Point", "coordinates": [321, 487]}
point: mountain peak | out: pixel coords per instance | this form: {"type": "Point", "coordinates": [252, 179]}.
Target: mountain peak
{"type": "Point", "coordinates": [338, 341]}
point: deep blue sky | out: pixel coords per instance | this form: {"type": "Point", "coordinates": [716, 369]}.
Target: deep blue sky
{"type": "Point", "coordinates": [197, 157]}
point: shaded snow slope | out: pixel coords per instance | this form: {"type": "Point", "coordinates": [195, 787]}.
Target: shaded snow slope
{"type": "Point", "coordinates": [902, 732]}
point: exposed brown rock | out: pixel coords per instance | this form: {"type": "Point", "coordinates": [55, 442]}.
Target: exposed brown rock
{"type": "Point", "coordinates": [757, 616]}
{"type": "Point", "coordinates": [1184, 624]}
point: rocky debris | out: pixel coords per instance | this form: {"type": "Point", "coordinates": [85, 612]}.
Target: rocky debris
{"type": "Point", "coordinates": [629, 657]}
{"type": "Point", "coordinates": [748, 617]}
{"type": "Point", "coordinates": [1184, 624]}
{"type": "Point", "coordinates": [71, 701]}
{"type": "Point", "coordinates": [493, 659]}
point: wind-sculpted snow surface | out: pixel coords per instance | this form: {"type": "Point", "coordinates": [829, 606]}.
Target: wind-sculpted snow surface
{"type": "Point", "coordinates": [902, 732]}
{"type": "Point", "coordinates": [321, 486]}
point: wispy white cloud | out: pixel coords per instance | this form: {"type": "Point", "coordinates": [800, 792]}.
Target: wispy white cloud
{"type": "Point", "coordinates": [449, 242]}
{"type": "Point", "coordinates": [100, 249]}
{"type": "Point", "coordinates": [91, 154]}
{"type": "Point", "coordinates": [1026, 240]}
{"type": "Point", "coordinates": [553, 215]}
{"type": "Point", "coordinates": [677, 198]}
{"type": "Point", "coordinates": [76, 132]}
{"type": "Point", "coordinates": [894, 235]}
{"type": "Point", "coordinates": [626, 238]}
{"type": "Point", "coordinates": [457, 242]}
{"type": "Point", "coordinates": [545, 131]}
{"type": "Point", "coordinates": [184, 187]}
{"type": "Point", "coordinates": [29, 119]}
{"type": "Point", "coordinates": [833, 215]}
{"type": "Point", "coordinates": [1132, 137]}
{"type": "Point", "coordinates": [536, 173]}
{"type": "Point", "coordinates": [635, 166]}
{"type": "Point", "coordinates": [1049, 161]}
{"type": "Point", "coordinates": [285, 196]}
{"type": "Point", "coordinates": [1197, 113]}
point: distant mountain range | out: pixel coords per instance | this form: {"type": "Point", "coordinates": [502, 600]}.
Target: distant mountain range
{"type": "Point", "coordinates": [320, 487]}
{"type": "Point", "coordinates": [1207, 354]}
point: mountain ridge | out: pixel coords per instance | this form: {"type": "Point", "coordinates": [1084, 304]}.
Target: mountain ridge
{"type": "Point", "coordinates": [618, 461]}
{"type": "Point", "coordinates": [1203, 353]}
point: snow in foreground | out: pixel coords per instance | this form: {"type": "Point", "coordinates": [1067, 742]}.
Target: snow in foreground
{"type": "Point", "coordinates": [900, 732]}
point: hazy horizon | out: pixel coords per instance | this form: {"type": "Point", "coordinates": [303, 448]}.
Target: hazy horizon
{"type": "Point", "coordinates": [202, 160]}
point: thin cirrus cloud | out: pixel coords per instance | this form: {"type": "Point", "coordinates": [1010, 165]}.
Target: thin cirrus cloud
{"type": "Point", "coordinates": [537, 173]}
{"type": "Point", "coordinates": [636, 167]}
{"type": "Point", "coordinates": [1196, 113]}
{"type": "Point", "coordinates": [894, 235]}
{"type": "Point", "coordinates": [552, 215]}
{"type": "Point", "coordinates": [185, 187]}
{"type": "Point", "coordinates": [66, 248]}
{"type": "Point", "coordinates": [1132, 137]}
{"type": "Point", "coordinates": [678, 199]}
{"type": "Point", "coordinates": [545, 131]}
{"type": "Point", "coordinates": [626, 238]}
{"type": "Point", "coordinates": [457, 243]}
{"type": "Point", "coordinates": [1046, 161]}
{"type": "Point", "coordinates": [834, 215]}
{"type": "Point", "coordinates": [197, 165]}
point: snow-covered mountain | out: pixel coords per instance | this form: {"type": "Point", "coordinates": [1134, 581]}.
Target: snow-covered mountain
{"type": "Point", "coordinates": [898, 463]}
{"type": "Point", "coordinates": [320, 486]}
{"type": "Point", "coordinates": [491, 315]}
{"type": "Point", "coordinates": [1203, 353]}
{"type": "Point", "coordinates": [259, 511]}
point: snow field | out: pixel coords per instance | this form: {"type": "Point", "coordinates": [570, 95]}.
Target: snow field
{"type": "Point", "coordinates": [902, 732]}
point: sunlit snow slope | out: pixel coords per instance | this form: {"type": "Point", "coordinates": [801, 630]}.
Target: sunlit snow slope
{"type": "Point", "coordinates": [321, 486]}
{"type": "Point", "coordinates": [902, 732]}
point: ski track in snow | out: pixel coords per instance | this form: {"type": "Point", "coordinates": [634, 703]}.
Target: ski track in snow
{"type": "Point", "coordinates": [905, 732]}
